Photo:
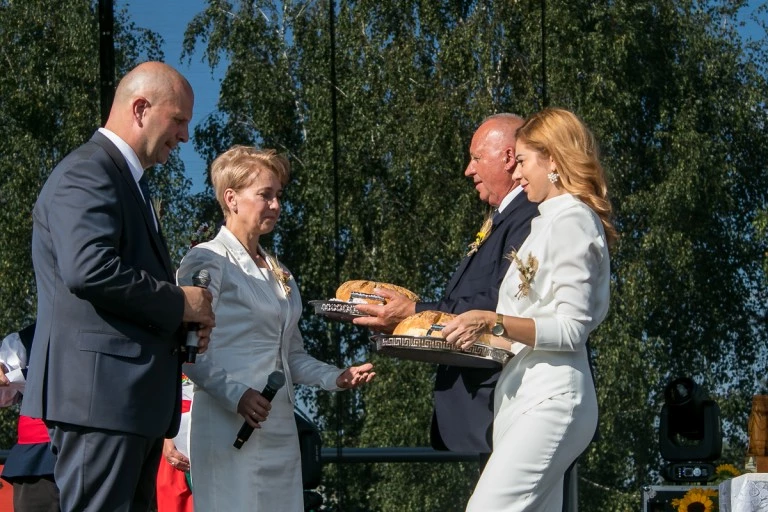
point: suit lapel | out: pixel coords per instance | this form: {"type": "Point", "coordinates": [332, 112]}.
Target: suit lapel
{"type": "Point", "coordinates": [125, 173]}
{"type": "Point", "coordinates": [246, 263]}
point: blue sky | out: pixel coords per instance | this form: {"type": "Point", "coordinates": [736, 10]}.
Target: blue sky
{"type": "Point", "coordinates": [169, 18]}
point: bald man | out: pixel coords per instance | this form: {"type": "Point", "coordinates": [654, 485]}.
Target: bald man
{"type": "Point", "coordinates": [104, 372]}
{"type": "Point", "coordinates": [463, 397]}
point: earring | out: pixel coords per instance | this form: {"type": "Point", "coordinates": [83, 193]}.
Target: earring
{"type": "Point", "coordinates": [553, 177]}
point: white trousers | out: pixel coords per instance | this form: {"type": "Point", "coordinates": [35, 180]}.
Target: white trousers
{"type": "Point", "coordinates": [532, 449]}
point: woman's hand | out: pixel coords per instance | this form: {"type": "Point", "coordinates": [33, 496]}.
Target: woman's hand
{"type": "Point", "coordinates": [464, 330]}
{"type": "Point", "coordinates": [253, 407]}
{"type": "Point", "coordinates": [3, 379]}
{"type": "Point", "coordinates": [355, 376]}
{"type": "Point", "coordinates": [174, 457]}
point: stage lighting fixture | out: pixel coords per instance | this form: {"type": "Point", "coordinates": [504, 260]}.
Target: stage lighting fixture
{"type": "Point", "coordinates": [689, 432]}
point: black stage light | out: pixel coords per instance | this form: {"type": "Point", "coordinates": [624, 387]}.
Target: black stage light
{"type": "Point", "coordinates": [689, 432]}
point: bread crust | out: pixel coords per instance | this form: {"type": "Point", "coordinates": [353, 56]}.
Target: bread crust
{"type": "Point", "coordinates": [421, 324]}
{"type": "Point", "coordinates": [344, 292]}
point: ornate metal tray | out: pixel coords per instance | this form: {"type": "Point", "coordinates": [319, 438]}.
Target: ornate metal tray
{"type": "Point", "coordinates": [339, 310]}
{"type": "Point", "coordinates": [438, 351]}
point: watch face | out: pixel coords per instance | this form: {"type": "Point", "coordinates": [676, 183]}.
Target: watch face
{"type": "Point", "coordinates": [497, 330]}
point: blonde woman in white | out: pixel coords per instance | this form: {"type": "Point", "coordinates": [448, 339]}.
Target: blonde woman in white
{"type": "Point", "coordinates": [554, 294]}
{"type": "Point", "coordinates": [257, 307]}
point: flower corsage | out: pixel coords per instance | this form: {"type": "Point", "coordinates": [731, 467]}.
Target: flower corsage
{"type": "Point", "coordinates": [280, 273]}
{"type": "Point", "coordinates": [527, 272]}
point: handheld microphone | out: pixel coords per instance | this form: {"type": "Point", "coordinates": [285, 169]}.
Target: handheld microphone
{"type": "Point", "coordinates": [275, 381]}
{"type": "Point", "coordinates": [201, 279]}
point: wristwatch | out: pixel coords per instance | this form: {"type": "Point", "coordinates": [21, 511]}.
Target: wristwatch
{"type": "Point", "coordinates": [498, 328]}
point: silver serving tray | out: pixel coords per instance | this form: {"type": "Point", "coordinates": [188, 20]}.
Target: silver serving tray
{"type": "Point", "coordinates": [336, 310]}
{"type": "Point", "coordinates": [438, 351]}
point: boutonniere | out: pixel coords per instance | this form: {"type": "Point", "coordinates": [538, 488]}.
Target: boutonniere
{"type": "Point", "coordinates": [203, 233]}
{"type": "Point", "coordinates": [157, 204]}
{"type": "Point", "coordinates": [280, 273]}
{"type": "Point", "coordinates": [481, 236]}
{"type": "Point", "coordinates": [527, 273]}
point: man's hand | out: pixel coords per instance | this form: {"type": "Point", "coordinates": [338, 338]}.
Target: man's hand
{"type": "Point", "coordinates": [203, 339]}
{"type": "Point", "coordinates": [384, 318]}
{"type": "Point", "coordinates": [197, 306]}
{"type": "Point", "coordinates": [355, 376]}
{"type": "Point", "coordinates": [198, 309]}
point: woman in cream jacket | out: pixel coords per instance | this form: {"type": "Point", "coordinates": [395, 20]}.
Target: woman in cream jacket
{"type": "Point", "coordinates": [257, 307]}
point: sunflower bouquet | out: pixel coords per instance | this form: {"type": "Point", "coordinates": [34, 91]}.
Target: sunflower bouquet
{"type": "Point", "coordinates": [702, 499]}
{"type": "Point", "coordinates": [697, 499]}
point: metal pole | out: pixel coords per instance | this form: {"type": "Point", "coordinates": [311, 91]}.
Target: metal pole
{"type": "Point", "coordinates": [395, 454]}
{"type": "Point", "coordinates": [544, 99]}
{"type": "Point", "coordinates": [106, 57]}
{"type": "Point", "coordinates": [337, 237]}
{"type": "Point", "coordinates": [572, 498]}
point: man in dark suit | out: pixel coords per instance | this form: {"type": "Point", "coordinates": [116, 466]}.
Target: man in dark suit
{"type": "Point", "coordinates": [463, 399]}
{"type": "Point", "coordinates": [104, 372]}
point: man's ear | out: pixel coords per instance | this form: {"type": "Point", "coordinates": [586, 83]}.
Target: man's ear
{"type": "Point", "coordinates": [509, 159]}
{"type": "Point", "coordinates": [140, 106]}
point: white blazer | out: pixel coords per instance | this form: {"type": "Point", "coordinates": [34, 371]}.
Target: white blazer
{"type": "Point", "coordinates": [256, 331]}
{"type": "Point", "coordinates": [545, 401]}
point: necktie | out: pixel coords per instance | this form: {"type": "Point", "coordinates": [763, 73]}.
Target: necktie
{"type": "Point", "coordinates": [147, 198]}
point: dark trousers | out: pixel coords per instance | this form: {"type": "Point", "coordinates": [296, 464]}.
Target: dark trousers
{"type": "Point", "coordinates": [35, 494]}
{"type": "Point", "coordinates": [103, 470]}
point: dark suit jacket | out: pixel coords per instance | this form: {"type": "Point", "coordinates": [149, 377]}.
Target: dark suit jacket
{"type": "Point", "coordinates": [109, 315]}
{"type": "Point", "coordinates": [463, 414]}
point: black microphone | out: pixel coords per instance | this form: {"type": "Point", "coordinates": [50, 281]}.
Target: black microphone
{"type": "Point", "coordinates": [201, 279]}
{"type": "Point", "coordinates": [275, 381]}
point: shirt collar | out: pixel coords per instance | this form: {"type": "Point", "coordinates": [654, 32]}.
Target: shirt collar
{"type": "Point", "coordinates": [509, 197]}
{"type": "Point", "coordinates": [127, 151]}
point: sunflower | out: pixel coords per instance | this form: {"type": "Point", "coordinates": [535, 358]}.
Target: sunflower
{"type": "Point", "coordinates": [726, 472]}
{"type": "Point", "coordinates": [696, 500]}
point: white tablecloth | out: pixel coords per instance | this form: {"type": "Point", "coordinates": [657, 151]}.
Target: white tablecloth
{"type": "Point", "coordinates": [745, 493]}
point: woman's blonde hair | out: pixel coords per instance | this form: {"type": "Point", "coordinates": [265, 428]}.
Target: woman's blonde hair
{"type": "Point", "coordinates": [237, 167]}
{"type": "Point", "coordinates": [560, 134]}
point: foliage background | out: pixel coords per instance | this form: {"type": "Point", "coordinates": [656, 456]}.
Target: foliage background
{"type": "Point", "coordinates": [674, 95]}
{"type": "Point", "coordinates": [49, 104]}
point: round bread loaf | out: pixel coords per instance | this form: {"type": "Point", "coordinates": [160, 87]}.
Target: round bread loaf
{"type": "Point", "coordinates": [365, 292]}
{"type": "Point", "coordinates": [421, 324]}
